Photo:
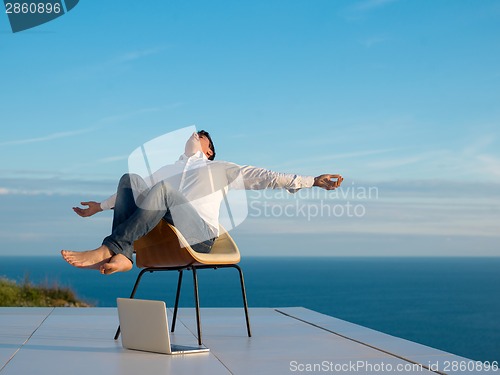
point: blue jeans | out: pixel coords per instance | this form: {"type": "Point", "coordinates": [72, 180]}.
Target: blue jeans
{"type": "Point", "coordinates": [135, 216]}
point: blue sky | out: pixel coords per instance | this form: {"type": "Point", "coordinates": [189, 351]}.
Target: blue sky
{"type": "Point", "coordinates": [400, 96]}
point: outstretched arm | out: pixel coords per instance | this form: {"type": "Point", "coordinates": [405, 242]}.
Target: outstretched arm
{"type": "Point", "coordinates": [324, 181]}
{"type": "Point", "coordinates": [93, 208]}
{"type": "Point", "coordinates": [255, 178]}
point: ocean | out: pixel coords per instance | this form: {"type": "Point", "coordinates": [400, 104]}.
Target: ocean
{"type": "Point", "coordinates": [451, 304]}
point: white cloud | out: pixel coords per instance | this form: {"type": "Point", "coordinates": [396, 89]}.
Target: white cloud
{"type": "Point", "coordinates": [489, 164]}
{"type": "Point", "coordinates": [478, 145]}
{"type": "Point", "coordinates": [117, 65]}
{"type": "Point", "coordinates": [138, 54]}
{"type": "Point", "coordinates": [371, 4]}
{"type": "Point", "coordinates": [111, 159]}
{"type": "Point", "coordinates": [50, 185]}
{"type": "Point", "coordinates": [374, 40]}
{"type": "Point", "coordinates": [332, 157]}
{"type": "Point", "coordinates": [99, 124]}
{"type": "Point", "coordinates": [48, 137]}
{"type": "Point", "coordinates": [31, 192]}
{"type": "Point", "coordinates": [404, 161]}
{"type": "Point", "coordinates": [124, 116]}
{"type": "Point", "coordinates": [359, 11]}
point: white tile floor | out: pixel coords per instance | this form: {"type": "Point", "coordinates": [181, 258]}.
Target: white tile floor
{"type": "Point", "coordinates": [285, 340]}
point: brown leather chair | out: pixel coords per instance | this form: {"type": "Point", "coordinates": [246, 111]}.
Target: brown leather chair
{"type": "Point", "coordinates": [165, 249]}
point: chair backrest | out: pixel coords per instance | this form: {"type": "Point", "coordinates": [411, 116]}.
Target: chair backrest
{"type": "Point", "coordinates": [165, 246]}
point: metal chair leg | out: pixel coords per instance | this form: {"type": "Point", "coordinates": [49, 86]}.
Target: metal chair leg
{"type": "Point", "coordinates": [136, 285]}
{"type": "Point", "coordinates": [197, 302]}
{"type": "Point", "coordinates": [245, 304]}
{"type": "Point", "coordinates": [177, 295]}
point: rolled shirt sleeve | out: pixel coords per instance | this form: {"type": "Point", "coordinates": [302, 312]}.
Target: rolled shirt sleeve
{"type": "Point", "coordinates": [109, 203]}
{"type": "Point", "coordinates": [255, 178]}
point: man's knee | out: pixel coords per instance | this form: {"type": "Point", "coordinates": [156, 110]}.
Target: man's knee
{"type": "Point", "coordinates": [129, 180]}
{"type": "Point", "coordinates": [125, 180]}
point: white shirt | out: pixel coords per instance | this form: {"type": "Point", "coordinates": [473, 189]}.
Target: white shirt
{"type": "Point", "coordinates": [204, 182]}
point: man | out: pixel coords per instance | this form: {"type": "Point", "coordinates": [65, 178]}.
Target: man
{"type": "Point", "coordinates": [187, 194]}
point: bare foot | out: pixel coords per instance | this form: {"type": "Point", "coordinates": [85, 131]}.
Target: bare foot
{"type": "Point", "coordinates": [92, 259]}
{"type": "Point", "coordinates": [117, 263]}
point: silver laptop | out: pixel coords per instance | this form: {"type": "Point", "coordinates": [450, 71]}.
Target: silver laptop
{"type": "Point", "coordinates": [144, 326]}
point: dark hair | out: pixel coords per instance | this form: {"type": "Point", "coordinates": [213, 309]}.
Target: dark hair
{"type": "Point", "coordinates": [210, 143]}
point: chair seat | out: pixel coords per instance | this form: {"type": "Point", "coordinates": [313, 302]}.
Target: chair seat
{"type": "Point", "coordinates": [165, 246]}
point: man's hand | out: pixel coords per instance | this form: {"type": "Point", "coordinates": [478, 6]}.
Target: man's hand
{"type": "Point", "coordinates": [325, 181]}
{"type": "Point", "coordinates": [93, 208]}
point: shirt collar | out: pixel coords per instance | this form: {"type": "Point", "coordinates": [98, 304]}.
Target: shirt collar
{"type": "Point", "coordinates": [198, 155]}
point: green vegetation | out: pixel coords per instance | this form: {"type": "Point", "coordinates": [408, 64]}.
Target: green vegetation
{"type": "Point", "coordinates": [28, 295]}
